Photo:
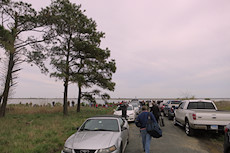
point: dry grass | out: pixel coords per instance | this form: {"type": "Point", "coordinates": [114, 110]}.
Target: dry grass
{"type": "Point", "coordinates": [223, 105]}
{"type": "Point", "coordinates": [22, 109]}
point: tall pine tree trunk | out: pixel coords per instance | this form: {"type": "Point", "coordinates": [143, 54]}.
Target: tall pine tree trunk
{"type": "Point", "coordinates": [7, 85]}
{"type": "Point", "coordinates": [0, 100]}
{"type": "Point", "coordinates": [65, 105]}
{"type": "Point", "coordinates": [79, 99]}
{"type": "Point", "coordinates": [11, 64]}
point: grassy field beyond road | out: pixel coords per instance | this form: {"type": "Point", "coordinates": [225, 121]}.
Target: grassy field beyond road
{"type": "Point", "coordinates": [41, 129]}
{"type": "Point", "coordinates": [223, 105]}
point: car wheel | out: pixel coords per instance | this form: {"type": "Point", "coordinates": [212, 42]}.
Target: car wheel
{"type": "Point", "coordinates": [188, 130]}
{"type": "Point", "coordinates": [174, 121]}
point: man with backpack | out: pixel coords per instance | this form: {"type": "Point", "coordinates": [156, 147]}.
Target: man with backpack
{"type": "Point", "coordinates": [141, 122]}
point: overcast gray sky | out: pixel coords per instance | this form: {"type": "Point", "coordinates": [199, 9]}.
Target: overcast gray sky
{"type": "Point", "coordinates": [165, 48]}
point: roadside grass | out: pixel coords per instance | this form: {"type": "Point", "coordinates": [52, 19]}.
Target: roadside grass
{"type": "Point", "coordinates": [41, 129]}
{"type": "Point", "coordinates": [223, 105]}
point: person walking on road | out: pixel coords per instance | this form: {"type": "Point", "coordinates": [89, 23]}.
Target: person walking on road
{"type": "Point", "coordinates": [155, 110]}
{"type": "Point", "coordinates": [141, 122]}
{"type": "Point", "coordinates": [151, 105]}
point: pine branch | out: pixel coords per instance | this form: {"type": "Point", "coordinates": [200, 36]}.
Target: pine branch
{"type": "Point", "coordinates": [29, 43]}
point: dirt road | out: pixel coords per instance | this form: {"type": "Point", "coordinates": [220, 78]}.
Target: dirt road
{"type": "Point", "coordinates": [174, 140]}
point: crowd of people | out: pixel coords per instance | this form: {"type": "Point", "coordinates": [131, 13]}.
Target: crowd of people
{"type": "Point", "coordinates": [149, 108]}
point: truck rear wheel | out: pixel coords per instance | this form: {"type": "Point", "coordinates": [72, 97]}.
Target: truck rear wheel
{"type": "Point", "coordinates": [188, 130]}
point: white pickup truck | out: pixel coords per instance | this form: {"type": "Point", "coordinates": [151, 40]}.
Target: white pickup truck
{"type": "Point", "coordinates": [200, 114]}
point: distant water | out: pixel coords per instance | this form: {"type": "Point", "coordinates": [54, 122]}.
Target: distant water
{"type": "Point", "coordinates": [45, 101]}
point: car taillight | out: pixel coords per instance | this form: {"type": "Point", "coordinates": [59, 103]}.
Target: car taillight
{"type": "Point", "coordinates": [194, 116]}
{"type": "Point", "coordinates": [226, 130]}
{"type": "Point", "coordinates": [172, 109]}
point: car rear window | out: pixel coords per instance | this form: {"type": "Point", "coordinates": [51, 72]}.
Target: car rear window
{"type": "Point", "coordinates": [130, 108]}
{"type": "Point", "coordinates": [135, 105]}
{"type": "Point", "coordinates": [200, 105]}
{"type": "Point", "coordinates": [175, 102]}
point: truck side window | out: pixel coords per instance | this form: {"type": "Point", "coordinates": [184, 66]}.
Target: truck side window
{"type": "Point", "coordinates": [193, 105]}
{"type": "Point", "coordinates": [209, 106]}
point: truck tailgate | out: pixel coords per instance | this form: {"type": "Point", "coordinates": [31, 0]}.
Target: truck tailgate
{"type": "Point", "coordinates": [212, 117]}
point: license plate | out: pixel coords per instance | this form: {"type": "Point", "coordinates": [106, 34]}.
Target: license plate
{"type": "Point", "coordinates": [214, 127]}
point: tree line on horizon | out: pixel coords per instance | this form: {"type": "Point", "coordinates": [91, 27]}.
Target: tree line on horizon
{"type": "Point", "coordinates": [62, 36]}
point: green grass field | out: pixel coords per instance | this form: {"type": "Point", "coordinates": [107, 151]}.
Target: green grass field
{"type": "Point", "coordinates": [41, 129]}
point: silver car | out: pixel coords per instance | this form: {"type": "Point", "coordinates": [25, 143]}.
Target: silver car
{"type": "Point", "coordinates": [101, 134]}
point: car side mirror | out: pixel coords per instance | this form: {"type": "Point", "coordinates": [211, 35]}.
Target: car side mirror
{"type": "Point", "coordinates": [77, 128]}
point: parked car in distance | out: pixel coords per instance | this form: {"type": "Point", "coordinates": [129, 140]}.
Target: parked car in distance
{"type": "Point", "coordinates": [102, 134]}
{"type": "Point", "coordinates": [135, 100]}
{"type": "Point", "coordinates": [227, 139]}
{"type": "Point", "coordinates": [136, 107]}
{"type": "Point", "coordinates": [200, 114]}
{"type": "Point", "coordinates": [169, 108]}
{"type": "Point", "coordinates": [131, 113]}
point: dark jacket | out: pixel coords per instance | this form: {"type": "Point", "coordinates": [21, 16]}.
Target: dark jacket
{"type": "Point", "coordinates": [123, 108]}
{"type": "Point", "coordinates": [156, 112]}
{"type": "Point", "coordinates": [142, 119]}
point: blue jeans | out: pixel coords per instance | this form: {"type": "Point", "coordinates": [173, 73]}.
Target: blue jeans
{"type": "Point", "coordinates": [146, 139]}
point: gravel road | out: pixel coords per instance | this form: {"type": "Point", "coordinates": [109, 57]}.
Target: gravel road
{"type": "Point", "coordinates": [174, 140]}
